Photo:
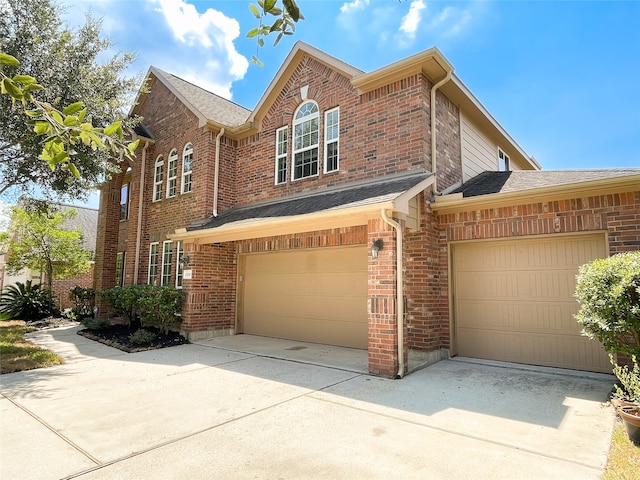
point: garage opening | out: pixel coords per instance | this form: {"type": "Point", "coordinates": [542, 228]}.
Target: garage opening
{"type": "Point", "coordinates": [314, 295]}
{"type": "Point", "coordinates": [513, 301]}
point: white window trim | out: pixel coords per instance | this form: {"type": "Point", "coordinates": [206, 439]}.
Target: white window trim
{"type": "Point", "coordinates": [151, 245]}
{"type": "Point", "coordinates": [157, 185]}
{"type": "Point", "coordinates": [293, 141]}
{"type": "Point", "coordinates": [507, 160]}
{"type": "Point", "coordinates": [282, 156]}
{"type": "Point", "coordinates": [328, 141]}
{"type": "Point", "coordinates": [179, 267]}
{"type": "Point", "coordinates": [126, 203]}
{"type": "Point", "coordinates": [122, 255]}
{"type": "Point", "coordinates": [164, 253]}
{"type": "Point", "coordinates": [173, 158]}
{"type": "Point", "coordinates": [186, 173]}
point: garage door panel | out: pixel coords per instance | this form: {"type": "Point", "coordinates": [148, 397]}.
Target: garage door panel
{"type": "Point", "coordinates": [315, 295]}
{"type": "Point", "coordinates": [513, 301]}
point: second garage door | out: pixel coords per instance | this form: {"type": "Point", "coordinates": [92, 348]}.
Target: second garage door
{"type": "Point", "coordinates": [514, 301]}
{"type": "Point", "coordinates": [317, 295]}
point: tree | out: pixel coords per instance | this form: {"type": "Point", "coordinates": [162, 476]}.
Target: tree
{"type": "Point", "coordinates": [284, 23]}
{"type": "Point", "coordinates": [72, 115]}
{"type": "Point", "coordinates": [37, 239]}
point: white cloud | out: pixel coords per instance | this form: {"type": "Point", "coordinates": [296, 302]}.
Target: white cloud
{"type": "Point", "coordinates": [412, 19]}
{"type": "Point", "coordinates": [451, 21]}
{"type": "Point", "coordinates": [354, 5]}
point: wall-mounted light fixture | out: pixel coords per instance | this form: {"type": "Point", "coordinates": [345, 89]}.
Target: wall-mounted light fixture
{"type": "Point", "coordinates": [376, 246]}
{"type": "Point", "coordinates": [184, 260]}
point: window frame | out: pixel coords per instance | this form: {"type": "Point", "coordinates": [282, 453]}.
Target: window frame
{"type": "Point", "coordinates": [303, 150]}
{"type": "Point", "coordinates": [167, 264]}
{"type": "Point", "coordinates": [153, 253]}
{"type": "Point", "coordinates": [121, 261]}
{"type": "Point", "coordinates": [124, 207]}
{"type": "Point", "coordinates": [281, 155]}
{"type": "Point", "coordinates": [186, 153]}
{"type": "Point", "coordinates": [158, 171]}
{"type": "Point", "coordinates": [172, 174]}
{"type": "Point", "coordinates": [504, 162]}
{"type": "Point", "coordinates": [329, 141]}
{"type": "Point", "coordinates": [179, 266]}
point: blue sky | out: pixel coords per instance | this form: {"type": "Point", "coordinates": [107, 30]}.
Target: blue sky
{"type": "Point", "coordinates": [563, 78]}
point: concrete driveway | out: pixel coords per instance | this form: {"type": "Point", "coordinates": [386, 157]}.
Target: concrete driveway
{"type": "Point", "coordinates": [206, 412]}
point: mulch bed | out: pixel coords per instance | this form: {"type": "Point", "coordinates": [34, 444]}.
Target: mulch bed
{"type": "Point", "coordinates": [117, 336]}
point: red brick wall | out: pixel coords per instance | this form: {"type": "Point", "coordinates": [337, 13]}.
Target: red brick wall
{"type": "Point", "coordinates": [61, 288]}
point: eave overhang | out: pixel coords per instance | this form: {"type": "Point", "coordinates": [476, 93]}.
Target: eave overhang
{"type": "Point", "coordinates": [455, 203]}
{"type": "Point", "coordinates": [348, 215]}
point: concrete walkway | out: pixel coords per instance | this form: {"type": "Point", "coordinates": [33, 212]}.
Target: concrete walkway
{"type": "Point", "coordinates": [203, 411]}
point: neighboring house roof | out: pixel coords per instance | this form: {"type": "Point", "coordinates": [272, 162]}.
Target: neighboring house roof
{"type": "Point", "coordinates": [86, 221]}
{"type": "Point", "coordinates": [339, 206]}
{"type": "Point", "coordinates": [496, 189]}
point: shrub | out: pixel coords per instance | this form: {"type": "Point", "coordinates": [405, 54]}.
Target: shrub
{"type": "Point", "coordinates": [160, 307]}
{"type": "Point", "coordinates": [26, 301]}
{"type": "Point", "coordinates": [84, 299]}
{"type": "Point", "coordinates": [609, 294]}
{"type": "Point", "coordinates": [142, 337]}
{"type": "Point", "coordinates": [630, 381]}
{"type": "Point", "coordinates": [125, 301]}
{"type": "Point", "coordinates": [96, 323]}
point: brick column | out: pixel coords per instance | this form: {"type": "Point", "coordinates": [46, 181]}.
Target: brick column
{"type": "Point", "coordinates": [383, 331]}
{"type": "Point", "coordinates": [209, 309]}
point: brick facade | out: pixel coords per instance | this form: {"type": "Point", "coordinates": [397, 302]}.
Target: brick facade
{"type": "Point", "coordinates": [383, 131]}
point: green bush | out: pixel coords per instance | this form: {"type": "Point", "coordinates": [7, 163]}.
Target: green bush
{"type": "Point", "coordinates": [84, 299]}
{"type": "Point", "coordinates": [124, 301]}
{"type": "Point", "coordinates": [609, 294]}
{"type": "Point", "coordinates": [160, 308]}
{"type": "Point", "coordinates": [630, 381]}
{"type": "Point", "coordinates": [96, 323]}
{"type": "Point", "coordinates": [142, 337]}
{"type": "Point", "coordinates": [26, 301]}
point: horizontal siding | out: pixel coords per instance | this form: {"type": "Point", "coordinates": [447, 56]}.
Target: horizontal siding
{"type": "Point", "coordinates": [478, 152]}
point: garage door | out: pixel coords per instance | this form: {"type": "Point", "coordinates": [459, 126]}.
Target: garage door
{"type": "Point", "coordinates": [317, 295]}
{"type": "Point", "coordinates": [514, 301]}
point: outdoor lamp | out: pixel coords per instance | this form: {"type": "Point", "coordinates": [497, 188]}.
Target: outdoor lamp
{"type": "Point", "coordinates": [376, 246]}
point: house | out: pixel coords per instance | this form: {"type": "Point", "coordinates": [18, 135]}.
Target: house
{"type": "Point", "coordinates": [385, 210]}
{"type": "Point", "coordinates": [86, 220]}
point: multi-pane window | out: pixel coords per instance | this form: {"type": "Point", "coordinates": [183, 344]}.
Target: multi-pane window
{"type": "Point", "coordinates": [153, 263]}
{"type": "Point", "coordinates": [503, 161]}
{"type": "Point", "coordinates": [180, 265]}
{"type": "Point", "coordinates": [187, 166]}
{"type": "Point", "coordinates": [157, 179]}
{"type": "Point", "coordinates": [282, 139]}
{"type": "Point", "coordinates": [124, 202]}
{"type": "Point", "coordinates": [167, 257]}
{"type": "Point", "coordinates": [120, 261]}
{"type": "Point", "coordinates": [172, 173]}
{"type": "Point", "coordinates": [331, 136]}
{"type": "Point", "coordinates": [305, 141]}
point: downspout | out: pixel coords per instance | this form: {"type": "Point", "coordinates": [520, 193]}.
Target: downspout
{"type": "Point", "coordinates": [217, 170]}
{"type": "Point", "coordinates": [399, 290]}
{"type": "Point", "coordinates": [140, 205]}
{"type": "Point", "coordinates": [433, 130]}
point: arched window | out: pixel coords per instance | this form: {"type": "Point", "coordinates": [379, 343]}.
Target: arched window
{"type": "Point", "coordinates": [187, 166]}
{"type": "Point", "coordinates": [158, 173]}
{"type": "Point", "coordinates": [172, 173]}
{"type": "Point", "coordinates": [305, 141]}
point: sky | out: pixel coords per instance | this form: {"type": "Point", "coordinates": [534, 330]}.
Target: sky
{"type": "Point", "coordinates": [562, 77]}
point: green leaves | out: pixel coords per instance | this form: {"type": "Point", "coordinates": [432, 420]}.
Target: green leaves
{"type": "Point", "coordinates": [62, 129]}
{"type": "Point", "coordinates": [285, 24]}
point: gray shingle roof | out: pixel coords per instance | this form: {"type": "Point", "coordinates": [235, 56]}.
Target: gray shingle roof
{"type": "Point", "coordinates": [520, 180]}
{"type": "Point", "coordinates": [86, 221]}
{"type": "Point", "coordinates": [210, 105]}
{"type": "Point", "coordinates": [333, 198]}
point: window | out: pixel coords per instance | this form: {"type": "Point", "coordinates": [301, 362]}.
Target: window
{"type": "Point", "coordinates": [124, 202]}
{"type": "Point", "coordinates": [282, 138]}
{"type": "Point", "coordinates": [331, 134]}
{"type": "Point", "coordinates": [172, 173]}
{"type": "Point", "coordinates": [157, 179]}
{"type": "Point", "coordinates": [120, 262]}
{"type": "Point", "coordinates": [153, 263]}
{"type": "Point", "coordinates": [305, 141]}
{"type": "Point", "coordinates": [187, 165]}
{"type": "Point", "coordinates": [503, 161]}
{"type": "Point", "coordinates": [179, 266]}
{"type": "Point", "coordinates": [167, 256]}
